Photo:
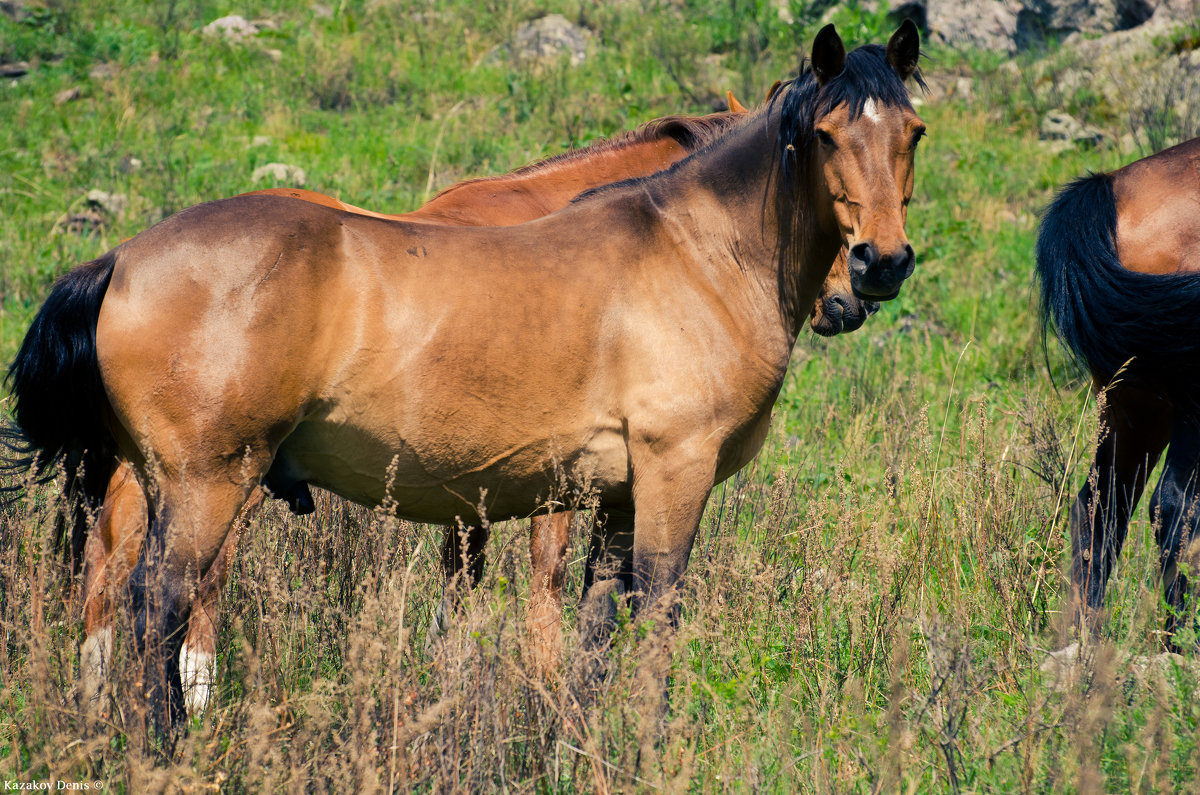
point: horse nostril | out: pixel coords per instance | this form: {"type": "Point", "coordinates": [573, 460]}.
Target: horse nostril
{"type": "Point", "coordinates": [863, 256]}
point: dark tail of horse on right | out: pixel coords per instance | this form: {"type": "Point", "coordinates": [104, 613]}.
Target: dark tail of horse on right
{"type": "Point", "coordinates": [59, 402]}
{"type": "Point", "coordinates": [1112, 320]}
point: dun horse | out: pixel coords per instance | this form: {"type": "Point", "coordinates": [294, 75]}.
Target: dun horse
{"type": "Point", "coordinates": [259, 338]}
{"type": "Point", "coordinates": [530, 192]}
{"type": "Point", "coordinates": [1119, 263]}
{"type": "Point", "coordinates": [111, 552]}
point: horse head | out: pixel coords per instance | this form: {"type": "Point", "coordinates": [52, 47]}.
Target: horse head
{"type": "Point", "coordinates": [860, 136]}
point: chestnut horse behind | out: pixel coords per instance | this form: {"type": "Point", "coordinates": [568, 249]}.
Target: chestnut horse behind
{"type": "Point", "coordinates": [260, 338]}
{"type": "Point", "coordinates": [1119, 263]}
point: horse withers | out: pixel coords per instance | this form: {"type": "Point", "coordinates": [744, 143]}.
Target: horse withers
{"type": "Point", "coordinates": [1118, 259]}
{"type": "Point", "coordinates": [260, 337]}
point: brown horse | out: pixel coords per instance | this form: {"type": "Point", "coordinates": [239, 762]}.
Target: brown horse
{"type": "Point", "coordinates": [111, 552]}
{"type": "Point", "coordinates": [263, 338]}
{"type": "Point", "coordinates": [1119, 263]}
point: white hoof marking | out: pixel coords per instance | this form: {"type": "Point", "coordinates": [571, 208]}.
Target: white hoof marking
{"type": "Point", "coordinates": [94, 657]}
{"type": "Point", "coordinates": [198, 670]}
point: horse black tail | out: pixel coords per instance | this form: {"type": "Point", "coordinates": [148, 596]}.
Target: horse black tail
{"type": "Point", "coordinates": [59, 402]}
{"type": "Point", "coordinates": [1110, 319]}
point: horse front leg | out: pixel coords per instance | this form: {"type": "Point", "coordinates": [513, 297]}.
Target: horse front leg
{"type": "Point", "coordinates": [669, 499]}
{"type": "Point", "coordinates": [1173, 511]}
{"type": "Point", "coordinates": [607, 578]}
{"type": "Point", "coordinates": [1135, 426]}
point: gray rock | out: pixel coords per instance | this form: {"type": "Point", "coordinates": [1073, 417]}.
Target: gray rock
{"type": "Point", "coordinates": [1042, 19]}
{"type": "Point", "coordinates": [15, 69]}
{"type": "Point", "coordinates": [280, 172]}
{"type": "Point", "coordinates": [111, 203]}
{"type": "Point", "coordinates": [14, 9]}
{"type": "Point", "coordinates": [1059, 126]}
{"type": "Point", "coordinates": [984, 24]}
{"type": "Point", "coordinates": [233, 28]}
{"type": "Point", "coordinates": [1008, 25]}
{"type": "Point", "coordinates": [549, 37]}
{"type": "Point", "coordinates": [66, 95]}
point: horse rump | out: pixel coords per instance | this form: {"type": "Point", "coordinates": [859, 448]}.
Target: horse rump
{"type": "Point", "coordinates": [1136, 327]}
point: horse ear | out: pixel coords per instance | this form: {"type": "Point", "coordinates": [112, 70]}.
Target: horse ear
{"type": "Point", "coordinates": [774, 89]}
{"type": "Point", "coordinates": [734, 105]}
{"type": "Point", "coordinates": [904, 48]}
{"type": "Point", "coordinates": [828, 55]}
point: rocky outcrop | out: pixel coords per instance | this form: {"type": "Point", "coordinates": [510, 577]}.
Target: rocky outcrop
{"type": "Point", "coordinates": [549, 37]}
{"type": "Point", "coordinates": [983, 24]}
{"type": "Point", "coordinates": [280, 173]}
{"type": "Point", "coordinates": [1010, 25]}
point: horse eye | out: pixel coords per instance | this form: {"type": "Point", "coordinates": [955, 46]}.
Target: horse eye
{"type": "Point", "coordinates": [917, 136]}
{"type": "Point", "coordinates": [825, 138]}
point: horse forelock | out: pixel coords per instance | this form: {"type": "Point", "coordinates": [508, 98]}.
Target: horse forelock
{"type": "Point", "coordinates": [867, 77]}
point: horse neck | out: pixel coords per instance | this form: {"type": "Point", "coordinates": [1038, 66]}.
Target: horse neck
{"type": "Point", "coordinates": [540, 190]}
{"type": "Point", "coordinates": [739, 177]}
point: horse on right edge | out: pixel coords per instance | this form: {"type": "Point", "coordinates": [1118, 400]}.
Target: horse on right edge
{"type": "Point", "coordinates": [1118, 258]}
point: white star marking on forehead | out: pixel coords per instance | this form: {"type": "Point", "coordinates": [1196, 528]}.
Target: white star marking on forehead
{"type": "Point", "coordinates": [870, 110]}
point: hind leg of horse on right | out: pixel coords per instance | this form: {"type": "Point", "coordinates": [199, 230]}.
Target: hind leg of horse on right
{"type": "Point", "coordinates": [1173, 511]}
{"type": "Point", "coordinates": [1136, 426]}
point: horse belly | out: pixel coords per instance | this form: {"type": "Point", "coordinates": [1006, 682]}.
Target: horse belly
{"type": "Point", "coordinates": [364, 466]}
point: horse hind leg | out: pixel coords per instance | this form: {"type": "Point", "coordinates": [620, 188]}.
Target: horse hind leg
{"type": "Point", "coordinates": [1173, 512]}
{"type": "Point", "coordinates": [191, 524]}
{"type": "Point", "coordinates": [110, 553]}
{"type": "Point", "coordinates": [198, 656]}
{"type": "Point", "coordinates": [1135, 426]}
{"type": "Point", "coordinates": [463, 558]}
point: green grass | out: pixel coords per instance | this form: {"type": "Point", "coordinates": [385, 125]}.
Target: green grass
{"type": "Point", "coordinates": [868, 603]}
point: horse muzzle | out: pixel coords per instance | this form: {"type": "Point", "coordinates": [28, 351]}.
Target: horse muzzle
{"type": "Point", "coordinates": [875, 276]}
{"type": "Point", "coordinates": [840, 314]}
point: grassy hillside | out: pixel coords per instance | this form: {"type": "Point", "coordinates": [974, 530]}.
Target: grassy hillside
{"type": "Point", "coordinates": [868, 604]}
